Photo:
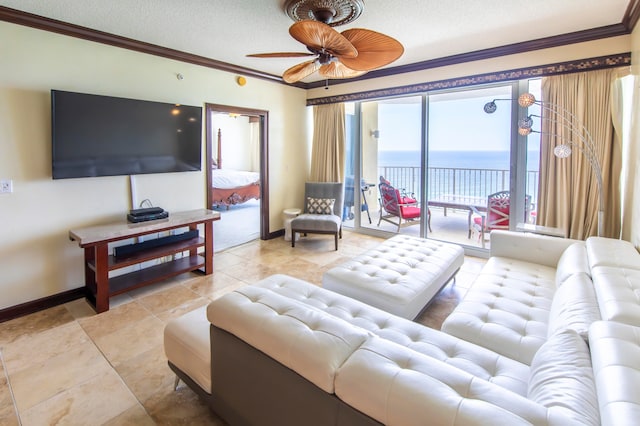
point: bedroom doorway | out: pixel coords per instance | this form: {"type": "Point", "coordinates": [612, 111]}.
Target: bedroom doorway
{"type": "Point", "coordinates": [237, 173]}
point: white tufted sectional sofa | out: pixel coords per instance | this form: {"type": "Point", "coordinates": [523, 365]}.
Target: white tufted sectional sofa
{"type": "Point", "coordinates": [283, 351]}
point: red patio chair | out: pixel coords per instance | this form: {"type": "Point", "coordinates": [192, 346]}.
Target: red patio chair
{"type": "Point", "coordinates": [395, 206]}
{"type": "Point", "coordinates": [497, 214]}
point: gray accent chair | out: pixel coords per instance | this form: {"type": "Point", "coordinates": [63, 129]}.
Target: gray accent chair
{"type": "Point", "coordinates": [311, 223]}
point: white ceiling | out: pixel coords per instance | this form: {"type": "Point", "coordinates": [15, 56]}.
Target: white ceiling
{"type": "Point", "coordinates": [227, 30]}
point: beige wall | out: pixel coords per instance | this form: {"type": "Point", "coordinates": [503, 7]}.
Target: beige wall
{"type": "Point", "coordinates": [36, 257]}
{"type": "Point", "coordinates": [237, 147]}
{"type": "Point", "coordinates": [370, 150]}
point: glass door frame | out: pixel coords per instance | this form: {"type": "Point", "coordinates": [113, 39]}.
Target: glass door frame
{"type": "Point", "coordinates": [517, 166]}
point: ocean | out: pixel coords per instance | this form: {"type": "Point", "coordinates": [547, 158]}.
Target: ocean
{"type": "Point", "coordinates": [492, 160]}
{"type": "Point", "coordinates": [489, 172]}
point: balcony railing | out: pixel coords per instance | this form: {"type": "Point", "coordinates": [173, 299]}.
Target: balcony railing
{"type": "Point", "coordinates": [457, 181]}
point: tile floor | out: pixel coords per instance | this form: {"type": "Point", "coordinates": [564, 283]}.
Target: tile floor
{"type": "Point", "coordinates": [67, 365]}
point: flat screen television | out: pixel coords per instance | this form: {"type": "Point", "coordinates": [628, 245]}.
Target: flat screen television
{"type": "Point", "coordinates": [94, 135]}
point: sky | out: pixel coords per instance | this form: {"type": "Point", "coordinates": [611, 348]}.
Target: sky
{"type": "Point", "coordinates": [456, 125]}
{"type": "Point", "coordinates": [457, 122]}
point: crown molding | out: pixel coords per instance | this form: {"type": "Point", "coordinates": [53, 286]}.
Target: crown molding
{"type": "Point", "coordinates": [631, 15]}
{"type": "Point", "coordinates": [589, 64]}
{"type": "Point", "coordinates": [495, 52]}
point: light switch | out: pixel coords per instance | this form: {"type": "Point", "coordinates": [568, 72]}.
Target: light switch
{"type": "Point", "coordinates": [6, 186]}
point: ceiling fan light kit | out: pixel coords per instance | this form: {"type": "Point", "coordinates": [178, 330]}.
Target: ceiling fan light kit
{"type": "Point", "coordinates": [349, 54]}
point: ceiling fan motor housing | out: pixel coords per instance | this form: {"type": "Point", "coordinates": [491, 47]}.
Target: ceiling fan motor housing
{"type": "Point", "coordinates": [324, 15]}
{"type": "Point", "coordinates": [324, 58]}
{"type": "Point", "coordinates": [330, 12]}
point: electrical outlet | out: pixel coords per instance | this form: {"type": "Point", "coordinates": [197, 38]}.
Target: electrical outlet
{"type": "Point", "coordinates": [6, 186]}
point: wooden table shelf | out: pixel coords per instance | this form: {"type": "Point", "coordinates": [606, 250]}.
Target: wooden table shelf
{"type": "Point", "coordinates": [123, 283]}
{"type": "Point", "coordinates": [152, 253]}
{"type": "Point", "coordinates": [99, 285]}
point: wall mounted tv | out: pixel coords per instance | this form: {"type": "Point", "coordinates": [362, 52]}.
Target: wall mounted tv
{"type": "Point", "coordinates": [95, 135]}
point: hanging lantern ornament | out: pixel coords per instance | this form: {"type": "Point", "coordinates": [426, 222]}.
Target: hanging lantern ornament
{"type": "Point", "coordinates": [525, 123]}
{"type": "Point", "coordinates": [562, 151]}
{"type": "Point", "coordinates": [490, 107]}
{"type": "Point", "coordinates": [524, 131]}
{"type": "Point", "coordinates": [526, 100]}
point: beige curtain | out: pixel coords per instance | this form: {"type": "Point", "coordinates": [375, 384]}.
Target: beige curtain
{"type": "Point", "coordinates": [328, 150]}
{"type": "Point", "coordinates": [568, 194]}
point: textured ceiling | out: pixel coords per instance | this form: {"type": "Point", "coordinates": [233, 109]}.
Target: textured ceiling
{"type": "Point", "coordinates": [227, 30]}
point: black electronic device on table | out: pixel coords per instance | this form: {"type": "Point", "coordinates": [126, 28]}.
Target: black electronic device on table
{"type": "Point", "coordinates": [146, 214]}
{"type": "Point", "coordinates": [130, 249]}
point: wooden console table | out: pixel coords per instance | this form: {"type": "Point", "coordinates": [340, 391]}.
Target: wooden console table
{"type": "Point", "coordinates": [98, 262]}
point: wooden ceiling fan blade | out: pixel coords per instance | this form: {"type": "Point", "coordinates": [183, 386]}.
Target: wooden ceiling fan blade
{"type": "Point", "coordinates": [300, 71]}
{"type": "Point", "coordinates": [374, 49]}
{"type": "Point", "coordinates": [280, 55]}
{"type": "Point", "coordinates": [321, 37]}
{"type": "Point", "coordinates": [336, 69]}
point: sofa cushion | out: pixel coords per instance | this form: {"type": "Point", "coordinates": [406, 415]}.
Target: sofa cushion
{"type": "Point", "coordinates": [618, 292]}
{"type": "Point", "coordinates": [316, 222]}
{"type": "Point", "coordinates": [615, 354]}
{"type": "Point", "coordinates": [506, 309]}
{"type": "Point", "coordinates": [396, 385]}
{"type": "Point", "coordinates": [612, 252]}
{"type": "Point", "coordinates": [476, 360]}
{"type": "Point", "coordinates": [400, 275]}
{"type": "Point", "coordinates": [573, 261]}
{"type": "Point", "coordinates": [187, 346]}
{"type": "Point", "coordinates": [574, 306]}
{"type": "Point", "coordinates": [304, 339]}
{"type": "Point", "coordinates": [562, 376]}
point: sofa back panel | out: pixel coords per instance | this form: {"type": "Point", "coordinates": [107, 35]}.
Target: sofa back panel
{"type": "Point", "coordinates": [618, 292]}
{"type": "Point", "coordinates": [396, 385]}
{"type": "Point", "coordinates": [533, 248]}
{"type": "Point", "coordinates": [612, 252]}
{"type": "Point", "coordinates": [307, 340]}
{"type": "Point", "coordinates": [251, 388]}
{"type": "Point", "coordinates": [562, 377]}
{"type": "Point", "coordinates": [615, 354]}
{"type": "Point", "coordinates": [574, 260]}
{"type": "Point", "coordinates": [574, 306]}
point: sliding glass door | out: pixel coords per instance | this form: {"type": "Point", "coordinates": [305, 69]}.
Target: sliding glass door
{"type": "Point", "coordinates": [390, 152]}
{"type": "Point", "coordinates": [434, 165]}
{"type": "Point", "coordinates": [469, 156]}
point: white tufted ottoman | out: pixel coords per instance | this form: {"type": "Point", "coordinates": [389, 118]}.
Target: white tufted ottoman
{"type": "Point", "coordinates": [400, 276]}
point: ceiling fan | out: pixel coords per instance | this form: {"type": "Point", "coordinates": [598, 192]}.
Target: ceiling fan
{"type": "Point", "coordinates": [351, 53]}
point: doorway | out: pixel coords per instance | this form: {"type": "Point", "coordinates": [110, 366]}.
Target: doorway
{"type": "Point", "coordinates": [237, 150]}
